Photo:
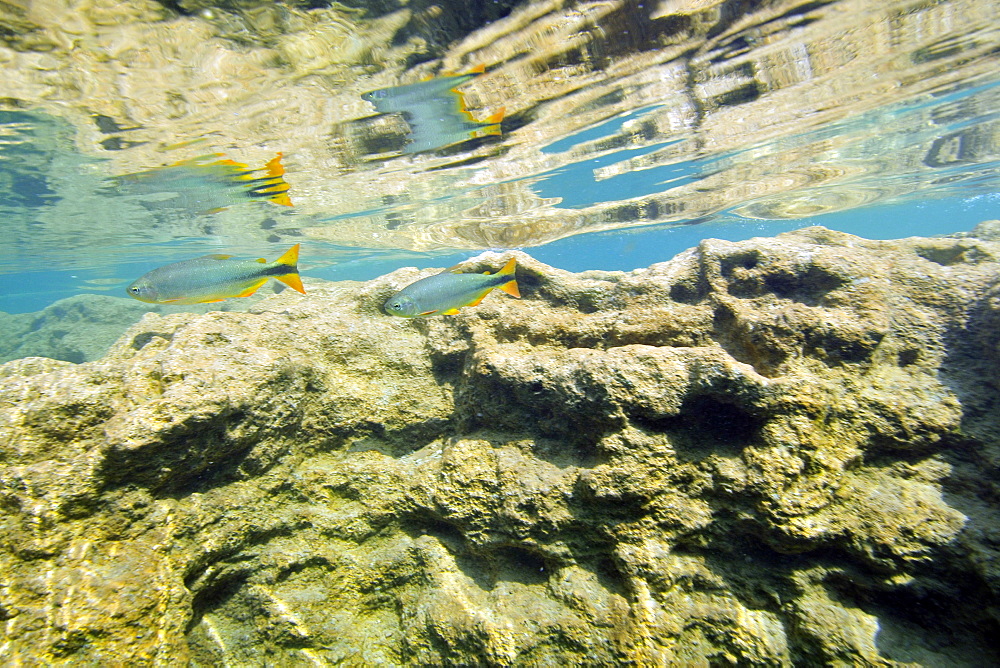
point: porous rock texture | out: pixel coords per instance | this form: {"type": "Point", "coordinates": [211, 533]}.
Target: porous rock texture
{"type": "Point", "coordinates": [781, 451]}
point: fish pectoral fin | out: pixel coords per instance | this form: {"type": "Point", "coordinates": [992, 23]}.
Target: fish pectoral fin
{"type": "Point", "coordinates": [432, 312]}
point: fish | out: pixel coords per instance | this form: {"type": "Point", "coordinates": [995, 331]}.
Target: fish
{"type": "Point", "coordinates": [447, 292]}
{"type": "Point", "coordinates": [207, 184]}
{"type": "Point", "coordinates": [213, 278]}
{"type": "Point", "coordinates": [436, 112]}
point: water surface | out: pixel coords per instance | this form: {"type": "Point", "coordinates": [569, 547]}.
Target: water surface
{"type": "Point", "coordinates": [630, 131]}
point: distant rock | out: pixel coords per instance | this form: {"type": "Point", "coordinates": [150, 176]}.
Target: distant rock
{"type": "Point", "coordinates": [781, 451]}
{"type": "Point", "coordinates": [82, 328]}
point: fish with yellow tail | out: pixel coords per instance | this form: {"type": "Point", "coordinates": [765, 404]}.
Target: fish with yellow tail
{"type": "Point", "coordinates": [447, 292]}
{"type": "Point", "coordinates": [435, 111]}
{"type": "Point", "coordinates": [204, 185]}
{"type": "Point", "coordinates": [212, 278]}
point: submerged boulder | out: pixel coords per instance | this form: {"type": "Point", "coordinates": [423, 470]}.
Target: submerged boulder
{"type": "Point", "coordinates": [82, 328]}
{"type": "Point", "coordinates": [773, 452]}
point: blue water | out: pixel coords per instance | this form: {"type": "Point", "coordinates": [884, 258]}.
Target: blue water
{"type": "Point", "coordinates": [610, 251]}
{"type": "Point", "coordinates": [645, 176]}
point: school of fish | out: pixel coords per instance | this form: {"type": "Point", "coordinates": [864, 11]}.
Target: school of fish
{"type": "Point", "coordinates": [437, 114]}
{"type": "Point", "coordinates": [213, 278]}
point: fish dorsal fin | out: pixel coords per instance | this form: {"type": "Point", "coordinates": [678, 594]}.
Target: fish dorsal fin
{"type": "Point", "coordinates": [454, 269]}
{"type": "Point", "coordinates": [216, 256]}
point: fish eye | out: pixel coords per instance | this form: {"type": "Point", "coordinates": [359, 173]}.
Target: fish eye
{"type": "Point", "coordinates": [397, 305]}
{"type": "Point", "coordinates": [134, 290]}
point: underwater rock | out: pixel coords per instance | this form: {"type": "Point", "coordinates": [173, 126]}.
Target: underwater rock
{"type": "Point", "coordinates": [82, 328]}
{"type": "Point", "coordinates": [780, 451]}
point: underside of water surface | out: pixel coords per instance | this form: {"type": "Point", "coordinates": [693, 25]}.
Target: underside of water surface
{"type": "Point", "coordinates": [744, 118]}
{"type": "Point", "coordinates": [670, 444]}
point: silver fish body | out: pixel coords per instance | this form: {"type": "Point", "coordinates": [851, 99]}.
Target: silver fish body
{"type": "Point", "coordinates": [447, 292]}
{"type": "Point", "coordinates": [212, 278]}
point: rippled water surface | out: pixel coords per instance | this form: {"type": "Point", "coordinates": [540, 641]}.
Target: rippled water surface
{"type": "Point", "coordinates": [630, 130]}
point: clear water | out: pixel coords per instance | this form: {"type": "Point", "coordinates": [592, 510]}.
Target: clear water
{"type": "Point", "coordinates": [631, 132]}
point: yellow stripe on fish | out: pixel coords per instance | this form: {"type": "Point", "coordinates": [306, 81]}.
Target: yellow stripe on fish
{"type": "Point", "coordinates": [447, 292]}
{"type": "Point", "coordinates": [212, 278]}
{"type": "Point", "coordinates": [210, 178]}
{"type": "Point", "coordinates": [436, 111]}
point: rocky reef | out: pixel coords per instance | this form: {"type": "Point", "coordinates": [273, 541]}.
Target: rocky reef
{"type": "Point", "coordinates": [781, 451]}
{"type": "Point", "coordinates": [82, 328]}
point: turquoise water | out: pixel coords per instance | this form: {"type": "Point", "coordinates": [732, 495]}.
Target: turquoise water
{"type": "Point", "coordinates": [783, 454]}
{"type": "Point", "coordinates": [810, 116]}
{"type": "Point", "coordinates": [32, 290]}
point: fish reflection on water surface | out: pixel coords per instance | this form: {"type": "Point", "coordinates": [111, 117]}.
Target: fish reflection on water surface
{"type": "Point", "coordinates": [435, 111]}
{"type": "Point", "coordinates": [206, 184]}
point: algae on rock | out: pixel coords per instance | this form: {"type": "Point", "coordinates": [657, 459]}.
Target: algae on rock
{"type": "Point", "coordinates": [771, 452]}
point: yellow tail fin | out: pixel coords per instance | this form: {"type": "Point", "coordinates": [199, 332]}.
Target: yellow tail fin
{"type": "Point", "coordinates": [290, 259]}
{"type": "Point", "coordinates": [510, 287]}
{"type": "Point", "coordinates": [495, 118]}
{"type": "Point", "coordinates": [292, 281]}
{"type": "Point", "coordinates": [274, 166]}
{"type": "Point", "coordinates": [277, 188]}
{"type": "Point", "coordinates": [489, 126]}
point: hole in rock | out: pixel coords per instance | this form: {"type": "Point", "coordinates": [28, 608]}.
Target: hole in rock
{"type": "Point", "coordinates": [708, 424]}
{"type": "Point", "coordinates": [807, 286]}
{"type": "Point", "coordinates": [689, 292]}
{"type": "Point", "coordinates": [516, 564]}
